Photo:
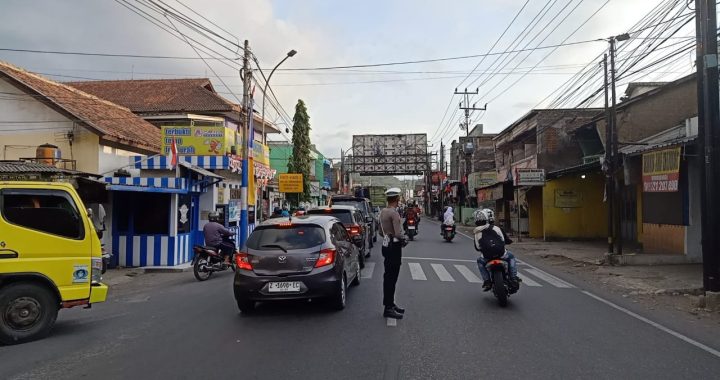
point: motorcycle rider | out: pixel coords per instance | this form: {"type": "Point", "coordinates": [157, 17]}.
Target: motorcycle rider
{"type": "Point", "coordinates": [448, 220]}
{"type": "Point", "coordinates": [214, 233]}
{"type": "Point", "coordinates": [412, 214]}
{"type": "Point", "coordinates": [485, 222]}
{"type": "Point", "coordinates": [393, 241]}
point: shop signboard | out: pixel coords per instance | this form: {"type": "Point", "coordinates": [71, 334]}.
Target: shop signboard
{"type": "Point", "coordinates": [261, 153]}
{"type": "Point", "coordinates": [315, 189]}
{"type": "Point", "coordinates": [529, 177]}
{"type": "Point", "coordinates": [234, 210]}
{"type": "Point", "coordinates": [198, 141]}
{"type": "Point", "coordinates": [568, 198]}
{"type": "Point", "coordinates": [481, 179]}
{"type": "Point", "coordinates": [290, 183]}
{"type": "Point", "coordinates": [661, 170]}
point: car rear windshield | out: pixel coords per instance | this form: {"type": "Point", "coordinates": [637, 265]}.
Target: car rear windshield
{"type": "Point", "coordinates": [344, 215]}
{"type": "Point", "coordinates": [349, 202]}
{"type": "Point", "coordinates": [301, 236]}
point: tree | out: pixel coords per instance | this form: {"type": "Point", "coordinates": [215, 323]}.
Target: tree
{"type": "Point", "coordinates": [299, 161]}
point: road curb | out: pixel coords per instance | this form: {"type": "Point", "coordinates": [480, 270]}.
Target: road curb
{"type": "Point", "coordinates": [174, 269]}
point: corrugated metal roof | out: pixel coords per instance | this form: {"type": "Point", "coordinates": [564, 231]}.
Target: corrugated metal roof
{"type": "Point", "coordinates": [30, 167]}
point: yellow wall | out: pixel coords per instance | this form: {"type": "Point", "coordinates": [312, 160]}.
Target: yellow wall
{"type": "Point", "coordinates": [85, 149]}
{"type": "Point", "coordinates": [535, 212]}
{"type": "Point", "coordinates": [588, 221]}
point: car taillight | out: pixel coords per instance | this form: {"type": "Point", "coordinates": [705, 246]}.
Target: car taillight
{"type": "Point", "coordinates": [327, 257]}
{"type": "Point", "coordinates": [353, 230]}
{"type": "Point", "coordinates": [242, 260]}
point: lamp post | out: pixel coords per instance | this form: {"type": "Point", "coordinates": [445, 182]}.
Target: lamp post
{"type": "Point", "coordinates": [291, 53]}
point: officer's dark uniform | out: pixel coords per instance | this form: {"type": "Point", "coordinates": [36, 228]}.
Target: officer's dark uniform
{"type": "Point", "coordinates": [393, 229]}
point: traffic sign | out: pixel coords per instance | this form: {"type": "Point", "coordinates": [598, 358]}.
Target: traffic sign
{"type": "Point", "coordinates": [291, 183]}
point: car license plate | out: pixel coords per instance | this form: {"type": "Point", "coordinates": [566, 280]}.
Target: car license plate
{"type": "Point", "coordinates": [411, 227]}
{"type": "Point", "coordinates": [283, 287]}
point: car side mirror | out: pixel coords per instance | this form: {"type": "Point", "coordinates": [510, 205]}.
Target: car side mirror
{"type": "Point", "coordinates": [89, 213]}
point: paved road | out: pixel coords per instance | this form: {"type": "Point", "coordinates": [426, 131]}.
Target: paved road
{"type": "Point", "coordinates": [169, 326]}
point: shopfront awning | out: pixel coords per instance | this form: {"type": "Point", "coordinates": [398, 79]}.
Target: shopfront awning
{"type": "Point", "coordinates": [199, 170]}
{"type": "Point", "coordinates": [153, 185]}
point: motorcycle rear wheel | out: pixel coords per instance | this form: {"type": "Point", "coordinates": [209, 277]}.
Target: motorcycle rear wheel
{"type": "Point", "coordinates": [499, 288]}
{"type": "Point", "coordinates": [201, 275]}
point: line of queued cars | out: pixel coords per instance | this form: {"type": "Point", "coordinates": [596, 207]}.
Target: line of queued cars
{"type": "Point", "coordinates": [314, 256]}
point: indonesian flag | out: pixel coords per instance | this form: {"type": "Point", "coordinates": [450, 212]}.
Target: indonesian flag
{"type": "Point", "coordinates": [173, 154]}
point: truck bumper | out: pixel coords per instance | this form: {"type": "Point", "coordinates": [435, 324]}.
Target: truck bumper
{"type": "Point", "coordinates": [98, 293]}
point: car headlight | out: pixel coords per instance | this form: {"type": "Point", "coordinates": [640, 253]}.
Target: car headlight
{"type": "Point", "coordinates": [96, 274]}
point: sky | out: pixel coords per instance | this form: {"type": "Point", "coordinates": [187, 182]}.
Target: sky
{"type": "Point", "coordinates": [408, 99]}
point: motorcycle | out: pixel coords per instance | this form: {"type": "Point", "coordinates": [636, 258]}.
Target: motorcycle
{"type": "Point", "coordinates": [448, 232]}
{"type": "Point", "coordinates": [208, 260]}
{"type": "Point", "coordinates": [411, 228]}
{"type": "Point", "coordinates": [500, 279]}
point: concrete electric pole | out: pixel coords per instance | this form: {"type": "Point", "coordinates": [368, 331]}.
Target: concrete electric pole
{"type": "Point", "coordinates": [246, 125]}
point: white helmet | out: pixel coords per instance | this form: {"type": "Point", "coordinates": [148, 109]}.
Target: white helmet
{"type": "Point", "coordinates": [481, 217]}
{"type": "Point", "coordinates": [392, 192]}
{"type": "Point", "coordinates": [490, 215]}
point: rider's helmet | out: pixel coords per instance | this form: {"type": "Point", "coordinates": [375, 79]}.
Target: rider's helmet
{"type": "Point", "coordinates": [490, 215]}
{"type": "Point", "coordinates": [481, 217]}
{"type": "Point", "coordinates": [213, 216]}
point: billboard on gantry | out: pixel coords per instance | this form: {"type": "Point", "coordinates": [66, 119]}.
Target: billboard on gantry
{"type": "Point", "coordinates": [395, 154]}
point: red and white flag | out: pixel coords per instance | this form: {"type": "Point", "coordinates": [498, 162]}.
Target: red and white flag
{"type": "Point", "coordinates": [173, 154]}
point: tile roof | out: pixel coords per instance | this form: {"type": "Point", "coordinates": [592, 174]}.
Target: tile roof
{"type": "Point", "coordinates": [160, 95]}
{"type": "Point", "coordinates": [30, 167]}
{"type": "Point", "coordinates": [112, 122]}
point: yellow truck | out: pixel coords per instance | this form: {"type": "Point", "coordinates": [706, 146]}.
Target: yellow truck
{"type": "Point", "coordinates": [50, 257]}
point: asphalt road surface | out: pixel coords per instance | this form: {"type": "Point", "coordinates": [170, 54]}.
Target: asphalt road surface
{"type": "Point", "coordinates": [170, 326]}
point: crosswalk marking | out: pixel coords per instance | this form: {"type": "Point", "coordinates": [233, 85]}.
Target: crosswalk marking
{"type": "Point", "coordinates": [442, 273]}
{"type": "Point", "coordinates": [531, 276]}
{"type": "Point", "coordinates": [527, 281]}
{"type": "Point", "coordinates": [467, 273]}
{"type": "Point", "coordinates": [416, 272]}
{"type": "Point", "coordinates": [367, 272]}
{"type": "Point", "coordinates": [549, 278]}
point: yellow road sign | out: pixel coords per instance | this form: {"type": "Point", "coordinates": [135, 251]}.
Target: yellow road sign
{"type": "Point", "coordinates": [291, 183]}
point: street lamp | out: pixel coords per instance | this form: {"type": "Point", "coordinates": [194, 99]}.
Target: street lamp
{"type": "Point", "coordinates": [291, 53]}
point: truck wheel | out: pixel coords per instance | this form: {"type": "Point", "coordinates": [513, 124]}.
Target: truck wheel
{"type": "Point", "coordinates": [27, 312]}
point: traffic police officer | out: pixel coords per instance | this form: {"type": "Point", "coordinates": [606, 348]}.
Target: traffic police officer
{"type": "Point", "coordinates": [393, 241]}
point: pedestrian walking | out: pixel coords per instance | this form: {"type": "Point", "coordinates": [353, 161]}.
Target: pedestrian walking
{"type": "Point", "coordinates": [394, 240]}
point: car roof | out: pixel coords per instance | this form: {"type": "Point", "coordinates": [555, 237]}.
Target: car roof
{"type": "Point", "coordinates": [336, 207]}
{"type": "Point", "coordinates": [321, 220]}
{"type": "Point", "coordinates": [349, 198]}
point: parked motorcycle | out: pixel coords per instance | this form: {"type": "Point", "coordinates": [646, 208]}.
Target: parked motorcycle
{"type": "Point", "coordinates": [411, 228]}
{"type": "Point", "coordinates": [500, 278]}
{"type": "Point", "coordinates": [209, 260]}
{"type": "Point", "coordinates": [448, 233]}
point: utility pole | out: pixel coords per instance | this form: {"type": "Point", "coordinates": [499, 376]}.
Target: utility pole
{"type": "Point", "coordinates": [708, 140]}
{"type": "Point", "coordinates": [342, 171]}
{"type": "Point", "coordinates": [616, 164]}
{"type": "Point", "coordinates": [468, 110]}
{"type": "Point", "coordinates": [246, 125]}
{"type": "Point", "coordinates": [610, 178]}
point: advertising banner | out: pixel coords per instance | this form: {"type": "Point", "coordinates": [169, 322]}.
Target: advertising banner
{"type": "Point", "coordinates": [661, 170]}
{"type": "Point", "coordinates": [568, 198]}
{"type": "Point", "coordinates": [261, 153]}
{"type": "Point", "coordinates": [199, 141]}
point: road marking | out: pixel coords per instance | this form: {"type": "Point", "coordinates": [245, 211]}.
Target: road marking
{"type": "Point", "coordinates": [438, 259]}
{"type": "Point", "coordinates": [467, 273]}
{"type": "Point", "coordinates": [658, 326]}
{"type": "Point", "coordinates": [554, 281]}
{"type": "Point", "coordinates": [527, 281]}
{"type": "Point", "coordinates": [442, 273]}
{"type": "Point", "coordinates": [391, 322]}
{"type": "Point", "coordinates": [416, 272]}
{"type": "Point", "coordinates": [367, 272]}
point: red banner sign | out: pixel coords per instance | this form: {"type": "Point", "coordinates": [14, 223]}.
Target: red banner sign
{"type": "Point", "coordinates": [661, 171]}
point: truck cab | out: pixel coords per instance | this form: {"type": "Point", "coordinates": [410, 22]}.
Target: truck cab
{"type": "Point", "coordinates": [50, 257]}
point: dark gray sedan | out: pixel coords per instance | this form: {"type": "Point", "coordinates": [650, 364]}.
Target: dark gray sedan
{"type": "Point", "coordinates": [303, 257]}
